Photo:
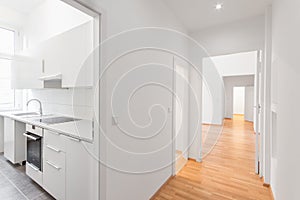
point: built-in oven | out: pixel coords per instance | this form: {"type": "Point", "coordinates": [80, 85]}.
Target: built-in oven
{"type": "Point", "coordinates": [34, 151]}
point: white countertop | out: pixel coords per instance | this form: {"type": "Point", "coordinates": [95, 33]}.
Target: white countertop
{"type": "Point", "coordinates": [81, 129]}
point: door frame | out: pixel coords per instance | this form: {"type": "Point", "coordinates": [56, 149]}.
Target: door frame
{"type": "Point", "coordinates": [177, 61]}
{"type": "Point", "coordinates": [99, 33]}
{"type": "Point", "coordinates": [258, 115]}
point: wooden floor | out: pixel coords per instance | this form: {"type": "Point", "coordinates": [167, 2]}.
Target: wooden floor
{"type": "Point", "coordinates": [226, 173]}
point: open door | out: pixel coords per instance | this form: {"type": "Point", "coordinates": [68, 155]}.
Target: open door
{"type": "Point", "coordinates": [258, 98]}
{"type": "Point", "coordinates": [181, 102]}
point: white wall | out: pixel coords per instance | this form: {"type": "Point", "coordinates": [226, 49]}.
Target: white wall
{"type": "Point", "coordinates": [207, 106]}
{"type": "Point", "coordinates": [236, 37]}
{"type": "Point", "coordinates": [236, 64]}
{"type": "Point", "coordinates": [213, 105]}
{"type": "Point", "coordinates": [122, 16]}
{"type": "Point", "coordinates": [286, 31]}
{"type": "Point", "coordinates": [239, 100]}
{"type": "Point", "coordinates": [249, 103]}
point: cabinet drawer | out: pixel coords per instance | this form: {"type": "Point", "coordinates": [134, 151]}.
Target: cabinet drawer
{"type": "Point", "coordinates": [54, 156]}
{"type": "Point", "coordinates": [54, 141]}
{"type": "Point", "coordinates": [34, 129]}
{"type": "Point", "coordinates": [54, 174]}
{"type": "Point", "coordinates": [34, 174]}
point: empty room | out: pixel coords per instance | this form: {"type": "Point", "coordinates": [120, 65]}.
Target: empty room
{"type": "Point", "coordinates": [149, 100]}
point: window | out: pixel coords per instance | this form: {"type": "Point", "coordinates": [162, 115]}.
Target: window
{"type": "Point", "coordinates": [7, 48]}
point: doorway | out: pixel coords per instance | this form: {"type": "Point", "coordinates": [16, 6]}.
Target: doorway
{"type": "Point", "coordinates": [237, 94]}
{"type": "Point", "coordinates": [243, 102]}
{"type": "Point", "coordinates": [239, 101]}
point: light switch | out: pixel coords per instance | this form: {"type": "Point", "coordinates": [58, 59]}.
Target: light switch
{"type": "Point", "coordinates": [115, 120]}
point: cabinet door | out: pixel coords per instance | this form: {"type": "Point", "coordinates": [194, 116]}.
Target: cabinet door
{"type": "Point", "coordinates": [19, 142]}
{"type": "Point", "coordinates": [54, 172]}
{"type": "Point", "coordinates": [9, 141]}
{"type": "Point", "coordinates": [67, 53]}
{"type": "Point", "coordinates": [80, 173]}
{"type": "Point", "coordinates": [25, 73]}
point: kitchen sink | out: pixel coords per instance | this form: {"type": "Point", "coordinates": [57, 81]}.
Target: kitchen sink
{"type": "Point", "coordinates": [56, 120]}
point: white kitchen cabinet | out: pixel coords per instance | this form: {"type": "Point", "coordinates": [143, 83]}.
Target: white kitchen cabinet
{"type": "Point", "coordinates": [80, 173]}
{"type": "Point", "coordinates": [69, 170]}
{"type": "Point", "coordinates": [67, 54]}
{"type": "Point", "coordinates": [25, 72]}
{"type": "Point", "coordinates": [54, 173]}
{"type": "Point", "coordinates": [54, 167]}
{"type": "Point", "coordinates": [14, 141]}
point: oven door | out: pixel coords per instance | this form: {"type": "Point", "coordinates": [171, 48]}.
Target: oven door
{"type": "Point", "coordinates": [34, 150]}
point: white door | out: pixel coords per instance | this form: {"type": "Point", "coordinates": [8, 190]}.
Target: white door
{"type": "Point", "coordinates": [258, 114]}
{"type": "Point", "coordinates": [181, 102]}
{"type": "Point", "coordinates": [139, 137]}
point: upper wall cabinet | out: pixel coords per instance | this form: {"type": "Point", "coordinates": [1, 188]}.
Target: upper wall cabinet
{"type": "Point", "coordinates": [25, 72]}
{"type": "Point", "coordinates": [68, 56]}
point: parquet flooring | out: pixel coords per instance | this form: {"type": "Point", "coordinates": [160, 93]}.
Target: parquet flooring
{"type": "Point", "coordinates": [226, 173]}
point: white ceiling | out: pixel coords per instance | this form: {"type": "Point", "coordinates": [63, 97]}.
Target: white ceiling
{"type": "Point", "coordinates": [21, 6]}
{"type": "Point", "coordinates": [199, 14]}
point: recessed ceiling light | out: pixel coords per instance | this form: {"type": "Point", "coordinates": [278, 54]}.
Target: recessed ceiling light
{"type": "Point", "coordinates": [219, 6]}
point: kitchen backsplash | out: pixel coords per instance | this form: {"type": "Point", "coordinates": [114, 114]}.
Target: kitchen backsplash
{"type": "Point", "coordinates": [74, 102]}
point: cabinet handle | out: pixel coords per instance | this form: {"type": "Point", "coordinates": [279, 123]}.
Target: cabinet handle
{"type": "Point", "coordinates": [74, 139]}
{"type": "Point", "coordinates": [53, 149]}
{"type": "Point", "coordinates": [52, 165]}
{"type": "Point", "coordinates": [55, 133]}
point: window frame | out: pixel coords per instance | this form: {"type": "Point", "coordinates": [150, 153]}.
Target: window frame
{"type": "Point", "coordinates": [10, 57]}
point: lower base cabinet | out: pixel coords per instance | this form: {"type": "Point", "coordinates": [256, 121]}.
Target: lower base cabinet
{"type": "Point", "coordinates": [54, 172]}
{"type": "Point", "coordinates": [14, 141]}
{"type": "Point", "coordinates": [68, 168]}
{"type": "Point", "coordinates": [79, 174]}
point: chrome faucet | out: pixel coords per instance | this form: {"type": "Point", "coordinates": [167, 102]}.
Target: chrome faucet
{"type": "Point", "coordinates": [41, 109]}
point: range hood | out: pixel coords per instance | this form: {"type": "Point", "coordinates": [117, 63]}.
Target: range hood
{"type": "Point", "coordinates": [52, 81]}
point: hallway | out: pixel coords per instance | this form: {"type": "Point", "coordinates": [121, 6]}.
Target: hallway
{"type": "Point", "coordinates": [226, 173]}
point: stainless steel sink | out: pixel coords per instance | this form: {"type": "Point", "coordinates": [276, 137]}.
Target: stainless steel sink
{"type": "Point", "coordinates": [26, 114]}
{"type": "Point", "coordinates": [56, 120]}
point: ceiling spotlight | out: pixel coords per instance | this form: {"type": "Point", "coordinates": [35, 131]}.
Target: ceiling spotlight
{"type": "Point", "coordinates": [219, 6]}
